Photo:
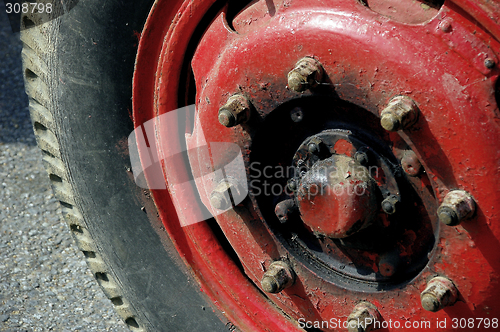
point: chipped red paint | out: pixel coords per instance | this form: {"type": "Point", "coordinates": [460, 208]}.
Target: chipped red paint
{"type": "Point", "coordinates": [367, 59]}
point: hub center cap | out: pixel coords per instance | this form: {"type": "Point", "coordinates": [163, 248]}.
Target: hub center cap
{"type": "Point", "coordinates": [336, 197]}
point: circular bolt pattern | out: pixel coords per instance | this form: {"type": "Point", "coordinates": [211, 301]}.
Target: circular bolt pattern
{"type": "Point", "coordinates": [457, 206]}
{"type": "Point", "coordinates": [439, 293]}
{"type": "Point", "coordinates": [363, 317]}
{"type": "Point", "coordinates": [389, 204]}
{"type": "Point", "coordinates": [235, 111]}
{"type": "Point", "coordinates": [400, 113]}
{"type": "Point", "coordinates": [278, 277]}
{"type": "Point", "coordinates": [307, 73]}
{"type": "Point", "coordinates": [222, 194]}
{"type": "Point", "coordinates": [411, 164]}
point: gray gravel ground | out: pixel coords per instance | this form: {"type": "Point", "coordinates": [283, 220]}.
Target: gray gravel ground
{"type": "Point", "coordinates": [44, 282]}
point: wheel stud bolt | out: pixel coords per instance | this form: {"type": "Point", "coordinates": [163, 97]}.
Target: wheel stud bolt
{"type": "Point", "coordinates": [439, 293]}
{"type": "Point", "coordinates": [457, 206]}
{"type": "Point", "coordinates": [278, 277]}
{"type": "Point", "coordinates": [285, 209]}
{"type": "Point", "coordinates": [400, 113]}
{"type": "Point", "coordinates": [361, 157]}
{"type": "Point", "coordinates": [307, 73]}
{"type": "Point", "coordinates": [363, 318]}
{"type": "Point", "coordinates": [235, 111]}
{"type": "Point", "coordinates": [314, 145]}
{"type": "Point", "coordinates": [411, 164]}
{"type": "Point", "coordinates": [226, 192]}
{"type": "Point", "coordinates": [390, 203]}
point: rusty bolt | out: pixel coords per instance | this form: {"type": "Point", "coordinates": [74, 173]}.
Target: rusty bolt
{"type": "Point", "coordinates": [390, 203]}
{"type": "Point", "coordinates": [363, 317]}
{"type": "Point", "coordinates": [400, 113]}
{"type": "Point", "coordinates": [411, 164]}
{"type": "Point", "coordinates": [457, 206]}
{"type": "Point", "coordinates": [489, 63]}
{"type": "Point", "coordinates": [226, 192]}
{"type": "Point", "coordinates": [307, 73]}
{"type": "Point", "coordinates": [235, 111]}
{"type": "Point", "coordinates": [314, 145]}
{"type": "Point", "coordinates": [292, 185]}
{"type": "Point", "coordinates": [361, 157]}
{"type": "Point", "coordinates": [278, 277]}
{"type": "Point", "coordinates": [285, 209]}
{"type": "Point", "coordinates": [439, 293]}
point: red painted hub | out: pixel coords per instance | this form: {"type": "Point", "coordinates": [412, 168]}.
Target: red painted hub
{"type": "Point", "coordinates": [351, 249]}
{"type": "Point", "coordinates": [336, 197]}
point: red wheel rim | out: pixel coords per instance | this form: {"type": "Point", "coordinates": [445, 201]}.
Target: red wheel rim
{"type": "Point", "coordinates": [232, 57]}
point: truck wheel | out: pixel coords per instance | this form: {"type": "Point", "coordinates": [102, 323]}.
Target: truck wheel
{"type": "Point", "coordinates": [283, 165]}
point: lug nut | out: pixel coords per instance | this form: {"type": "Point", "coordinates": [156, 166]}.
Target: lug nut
{"type": "Point", "coordinates": [226, 192]}
{"type": "Point", "coordinates": [292, 185]}
{"type": "Point", "coordinates": [457, 206]}
{"type": "Point", "coordinates": [390, 203]}
{"type": "Point", "coordinates": [361, 157]}
{"type": "Point", "coordinates": [439, 293]}
{"type": "Point", "coordinates": [410, 163]}
{"type": "Point", "coordinates": [363, 317]}
{"type": "Point", "coordinates": [314, 145]}
{"type": "Point", "coordinates": [235, 111]}
{"type": "Point", "coordinates": [307, 73]}
{"type": "Point", "coordinates": [278, 277]}
{"type": "Point", "coordinates": [400, 113]}
{"type": "Point", "coordinates": [285, 209]}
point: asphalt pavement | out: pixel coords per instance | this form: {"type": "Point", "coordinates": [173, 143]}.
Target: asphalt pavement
{"type": "Point", "coordinates": [44, 281]}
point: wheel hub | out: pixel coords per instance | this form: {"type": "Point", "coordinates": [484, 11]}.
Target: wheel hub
{"type": "Point", "coordinates": [336, 197]}
{"type": "Point", "coordinates": [385, 103]}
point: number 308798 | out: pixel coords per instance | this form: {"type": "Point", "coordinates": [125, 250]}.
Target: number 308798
{"type": "Point", "coordinates": [28, 7]}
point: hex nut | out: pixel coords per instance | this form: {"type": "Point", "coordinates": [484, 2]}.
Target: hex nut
{"type": "Point", "coordinates": [235, 111]}
{"type": "Point", "coordinates": [400, 113]}
{"type": "Point", "coordinates": [439, 293]}
{"type": "Point", "coordinates": [457, 206]}
{"type": "Point", "coordinates": [278, 277]}
{"type": "Point", "coordinates": [225, 193]}
{"type": "Point", "coordinates": [307, 73]}
{"type": "Point", "coordinates": [390, 203]}
{"type": "Point", "coordinates": [363, 317]}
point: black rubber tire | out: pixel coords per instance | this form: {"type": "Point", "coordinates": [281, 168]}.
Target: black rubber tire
{"type": "Point", "coordinates": [78, 75]}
